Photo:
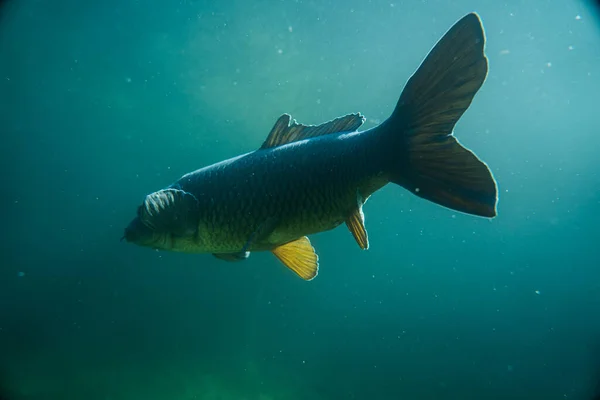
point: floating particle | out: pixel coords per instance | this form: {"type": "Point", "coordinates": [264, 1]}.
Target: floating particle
{"type": "Point", "coordinates": [279, 51]}
{"type": "Point", "coordinates": [549, 64]}
{"type": "Point", "coordinates": [578, 17]}
{"type": "Point", "coordinates": [537, 292]}
{"type": "Point", "coordinates": [128, 80]}
{"type": "Point", "coordinates": [21, 274]}
{"type": "Point", "coordinates": [504, 52]}
{"type": "Point", "coordinates": [571, 47]}
{"type": "Point", "coordinates": [290, 29]}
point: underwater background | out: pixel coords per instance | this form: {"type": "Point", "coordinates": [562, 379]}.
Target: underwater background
{"type": "Point", "coordinates": [103, 102]}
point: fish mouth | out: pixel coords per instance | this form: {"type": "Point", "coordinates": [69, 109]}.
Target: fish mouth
{"type": "Point", "coordinates": [137, 232]}
{"type": "Point", "coordinates": [128, 236]}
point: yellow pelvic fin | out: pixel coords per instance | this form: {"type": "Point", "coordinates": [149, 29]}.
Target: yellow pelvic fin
{"type": "Point", "coordinates": [356, 225]}
{"type": "Point", "coordinates": [284, 132]}
{"type": "Point", "coordinates": [300, 257]}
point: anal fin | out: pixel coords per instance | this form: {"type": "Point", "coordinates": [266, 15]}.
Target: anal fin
{"type": "Point", "coordinates": [300, 257]}
{"type": "Point", "coordinates": [356, 225]}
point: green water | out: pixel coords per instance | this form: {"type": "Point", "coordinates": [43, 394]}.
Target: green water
{"type": "Point", "coordinates": [104, 102]}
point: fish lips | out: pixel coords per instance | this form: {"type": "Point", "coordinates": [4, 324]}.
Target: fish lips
{"type": "Point", "coordinates": [137, 232]}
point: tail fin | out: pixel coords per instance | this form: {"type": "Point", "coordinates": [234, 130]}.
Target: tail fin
{"type": "Point", "coordinates": [433, 165]}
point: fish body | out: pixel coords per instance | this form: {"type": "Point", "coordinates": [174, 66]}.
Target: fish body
{"type": "Point", "coordinates": [306, 179]}
{"type": "Point", "coordinates": [303, 188]}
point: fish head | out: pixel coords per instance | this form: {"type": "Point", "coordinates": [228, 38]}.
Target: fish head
{"type": "Point", "coordinates": [141, 234]}
{"type": "Point", "coordinates": [167, 220]}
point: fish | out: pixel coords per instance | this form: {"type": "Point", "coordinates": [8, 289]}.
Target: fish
{"type": "Point", "coordinates": [306, 179]}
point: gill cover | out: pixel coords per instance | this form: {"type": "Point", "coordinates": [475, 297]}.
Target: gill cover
{"type": "Point", "coordinates": [172, 211]}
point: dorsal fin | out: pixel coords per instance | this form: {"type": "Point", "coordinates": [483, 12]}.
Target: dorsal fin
{"type": "Point", "coordinates": [283, 132]}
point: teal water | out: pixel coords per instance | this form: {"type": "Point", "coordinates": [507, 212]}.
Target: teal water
{"type": "Point", "coordinates": [104, 102]}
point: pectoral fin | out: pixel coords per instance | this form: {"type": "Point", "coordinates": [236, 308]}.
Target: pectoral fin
{"type": "Point", "coordinates": [300, 257]}
{"type": "Point", "coordinates": [262, 231]}
{"type": "Point", "coordinates": [233, 257]}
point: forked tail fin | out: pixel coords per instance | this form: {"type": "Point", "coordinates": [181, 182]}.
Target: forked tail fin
{"type": "Point", "coordinates": [427, 159]}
